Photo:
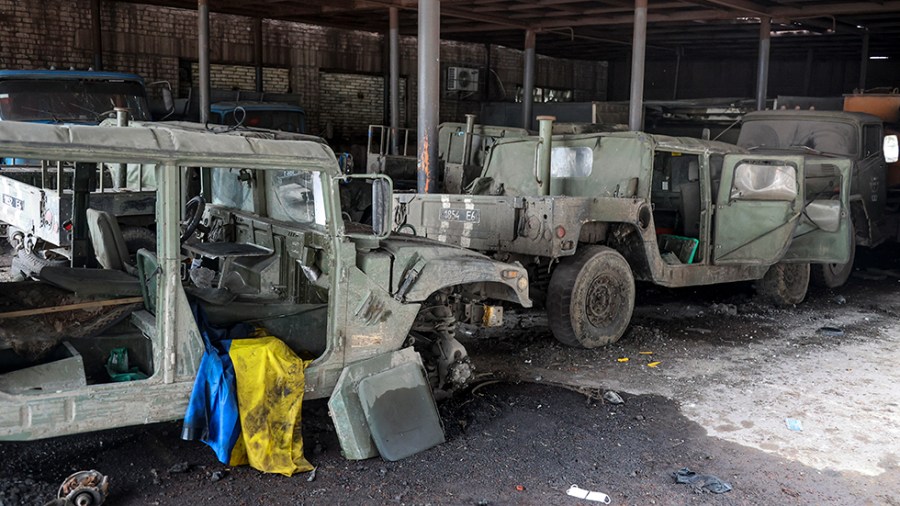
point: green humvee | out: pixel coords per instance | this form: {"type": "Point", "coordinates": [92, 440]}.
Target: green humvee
{"type": "Point", "coordinates": [268, 244]}
{"type": "Point", "coordinates": [605, 209]}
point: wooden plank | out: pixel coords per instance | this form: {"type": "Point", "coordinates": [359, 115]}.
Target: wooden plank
{"type": "Point", "coordinates": [71, 307]}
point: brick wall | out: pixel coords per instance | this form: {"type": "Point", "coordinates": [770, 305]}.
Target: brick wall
{"type": "Point", "coordinates": [352, 102]}
{"type": "Point", "coordinates": [158, 41]}
{"type": "Point", "coordinates": [240, 77]}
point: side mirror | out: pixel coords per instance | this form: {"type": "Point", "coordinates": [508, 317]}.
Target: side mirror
{"type": "Point", "coordinates": [382, 199]}
{"type": "Point", "coordinates": [891, 149]}
{"type": "Point", "coordinates": [382, 203]}
{"type": "Point", "coordinates": [168, 100]}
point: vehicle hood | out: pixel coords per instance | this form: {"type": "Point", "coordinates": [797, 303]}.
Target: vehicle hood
{"type": "Point", "coordinates": [423, 266]}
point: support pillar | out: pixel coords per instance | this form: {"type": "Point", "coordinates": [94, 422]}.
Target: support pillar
{"type": "Point", "coordinates": [258, 52]}
{"type": "Point", "coordinates": [638, 56]}
{"type": "Point", "coordinates": [864, 62]}
{"type": "Point", "coordinates": [528, 80]}
{"type": "Point", "coordinates": [203, 57]}
{"type": "Point", "coordinates": [429, 88]}
{"type": "Point", "coordinates": [96, 35]}
{"type": "Point", "coordinates": [394, 77]}
{"type": "Point", "coordinates": [762, 73]}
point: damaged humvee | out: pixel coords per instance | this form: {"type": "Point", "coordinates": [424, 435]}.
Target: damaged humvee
{"type": "Point", "coordinates": [589, 214]}
{"type": "Point", "coordinates": [266, 242]}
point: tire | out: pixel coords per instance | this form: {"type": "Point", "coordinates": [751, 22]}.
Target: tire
{"type": "Point", "coordinates": [784, 284]}
{"type": "Point", "coordinates": [29, 264]}
{"type": "Point", "coordinates": [590, 298]}
{"type": "Point", "coordinates": [137, 238]}
{"type": "Point", "coordinates": [835, 275]}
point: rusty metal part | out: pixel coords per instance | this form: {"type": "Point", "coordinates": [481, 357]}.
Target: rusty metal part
{"type": "Point", "coordinates": [84, 488]}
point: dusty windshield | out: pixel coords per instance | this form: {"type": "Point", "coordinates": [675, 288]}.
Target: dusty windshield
{"type": "Point", "coordinates": [295, 196]}
{"type": "Point", "coordinates": [60, 101]}
{"type": "Point", "coordinates": [827, 137]}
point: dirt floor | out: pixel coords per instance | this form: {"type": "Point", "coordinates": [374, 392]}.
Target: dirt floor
{"type": "Point", "coordinates": [729, 374]}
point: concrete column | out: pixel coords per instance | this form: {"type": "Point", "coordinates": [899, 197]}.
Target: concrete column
{"type": "Point", "coordinates": [203, 57]}
{"type": "Point", "coordinates": [394, 78]}
{"type": "Point", "coordinates": [528, 80]}
{"type": "Point", "coordinates": [762, 73]}
{"type": "Point", "coordinates": [638, 54]}
{"type": "Point", "coordinates": [258, 52]}
{"type": "Point", "coordinates": [96, 35]}
{"type": "Point", "coordinates": [864, 62]}
{"type": "Point", "coordinates": [429, 87]}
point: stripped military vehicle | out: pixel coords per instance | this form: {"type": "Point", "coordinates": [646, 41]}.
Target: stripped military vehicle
{"type": "Point", "coordinates": [266, 243]}
{"type": "Point", "coordinates": [589, 214]}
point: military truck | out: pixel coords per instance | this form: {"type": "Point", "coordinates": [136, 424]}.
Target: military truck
{"type": "Point", "coordinates": [376, 312]}
{"type": "Point", "coordinates": [856, 136]}
{"type": "Point", "coordinates": [590, 214]}
{"type": "Point", "coordinates": [270, 115]}
{"type": "Point", "coordinates": [461, 148]}
{"type": "Point", "coordinates": [69, 96]}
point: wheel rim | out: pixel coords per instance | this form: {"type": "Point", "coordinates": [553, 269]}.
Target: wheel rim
{"type": "Point", "coordinates": [601, 304]}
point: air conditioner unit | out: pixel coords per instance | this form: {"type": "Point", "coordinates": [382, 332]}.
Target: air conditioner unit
{"type": "Point", "coordinates": [462, 79]}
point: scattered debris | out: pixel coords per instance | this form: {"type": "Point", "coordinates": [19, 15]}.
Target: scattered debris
{"type": "Point", "coordinates": [830, 331]}
{"type": "Point", "coordinates": [312, 474]}
{"type": "Point", "coordinates": [622, 359]}
{"type": "Point", "coordinates": [724, 309]}
{"type": "Point", "coordinates": [699, 330]}
{"type": "Point", "coordinates": [639, 418]}
{"type": "Point", "coordinates": [588, 495]}
{"type": "Point", "coordinates": [791, 492]}
{"type": "Point", "coordinates": [653, 364]}
{"type": "Point", "coordinates": [520, 488]}
{"type": "Point", "coordinates": [180, 467]}
{"type": "Point", "coordinates": [840, 300]}
{"type": "Point", "coordinates": [155, 474]}
{"type": "Point", "coordinates": [869, 277]}
{"type": "Point", "coordinates": [645, 353]}
{"type": "Point", "coordinates": [794, 424]}
{"type": "Point", "coordinates": [84, 488]}
{"type": "Point", "coordinates": [613, 398]}
{"type": "Point", "coordinates": [218, 475]}
{"type": "Point", "coordinates": [701, 482]}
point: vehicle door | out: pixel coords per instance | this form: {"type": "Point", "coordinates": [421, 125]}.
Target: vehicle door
{"type": "Point", "coordinates": [759, 204]}
{"type": "Point", "coordinates": [823, 233]}
{"type": "Point", "coordinates": [871, 171]}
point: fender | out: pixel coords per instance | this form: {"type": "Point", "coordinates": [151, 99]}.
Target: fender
{"type": "Point", "coordinates": [430, 275]}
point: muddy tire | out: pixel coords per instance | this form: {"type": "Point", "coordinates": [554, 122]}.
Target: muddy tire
{"type": "Point", "coordinates": [137, 238]}
{"type": "Point", "coordinates": [590, 298]}
{"type": "Point", "coordinates": [834, 275]}
{"type": "Point", "coordinates": [784, 284]}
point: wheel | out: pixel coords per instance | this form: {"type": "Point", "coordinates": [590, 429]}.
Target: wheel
{"type": "Point", "coordinates": [193, 213]}
{"type": "Point", "coordinates": [137, 238]}
{"type": "Point", "coordinates": [835, 275]}
{"type": "Point", "coordinates": [784, 284]}
{"type": "Point", "coordinates": [590, 298]}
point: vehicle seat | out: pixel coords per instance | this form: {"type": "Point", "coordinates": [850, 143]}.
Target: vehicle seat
{"type": "Point", "coordinates": [116, 278]}
{"type": "Point", "coordinates": [109, 245]}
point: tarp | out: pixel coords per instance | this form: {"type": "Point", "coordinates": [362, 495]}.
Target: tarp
{"type": "Point", "coordinates": [270, 384]}
{"type": "Point", "coordinates": [247, 398]}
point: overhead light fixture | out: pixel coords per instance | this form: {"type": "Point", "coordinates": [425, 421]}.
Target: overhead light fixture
{"type": "Point", "coordinates": [879, 57]}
